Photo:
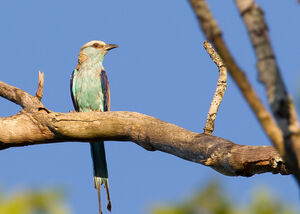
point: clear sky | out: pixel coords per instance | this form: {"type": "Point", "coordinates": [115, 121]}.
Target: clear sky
{"type": "Point", "coordinates": [161, 70]}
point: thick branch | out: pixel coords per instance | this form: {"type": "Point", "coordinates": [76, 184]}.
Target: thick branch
{"type": "Point", "coordinates": [31, 127]}
{"type": "Point", "coordinates": [152, 134]}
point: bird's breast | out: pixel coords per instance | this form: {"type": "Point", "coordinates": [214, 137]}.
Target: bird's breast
{"type": "Point", "coordinates": [88, 87]}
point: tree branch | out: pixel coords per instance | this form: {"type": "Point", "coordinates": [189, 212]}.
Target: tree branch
{"type": "Point", "coordinates": [30, 127]}
{"type": "Point", "coordinates": [287, 144]}
{"type": "Point", "coordinates": [214, 34]}
{"type": "Point", "coordinates": [281, 103]}
{"type": "Point", "coordinates": [39, 92]}
{"type": "Point", "coordinates": [220, 90]}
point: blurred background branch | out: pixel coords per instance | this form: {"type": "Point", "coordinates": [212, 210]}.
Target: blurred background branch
{"type": "Point", "coordinates": [286, 140]}
{"type": "Point", "coordinates": [281, 103]}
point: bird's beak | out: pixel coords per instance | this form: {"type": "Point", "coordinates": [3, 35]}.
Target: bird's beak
{"type": "Point", "coordinates": [110, 46]}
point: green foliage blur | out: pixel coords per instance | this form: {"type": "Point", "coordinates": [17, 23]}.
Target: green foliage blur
{"type": "Point", "coordinates": [33, 202]}
{"type": "Point", "coordinates": [212, 200]}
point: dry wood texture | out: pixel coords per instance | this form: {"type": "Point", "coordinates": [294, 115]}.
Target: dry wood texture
{"type": "Point", "coordinates": [220, 90]}
{"type": "Point", "coordinates": [37, 125]}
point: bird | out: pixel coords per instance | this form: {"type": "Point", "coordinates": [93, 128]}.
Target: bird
{"type": "Point", "coordinates": [90, 92]}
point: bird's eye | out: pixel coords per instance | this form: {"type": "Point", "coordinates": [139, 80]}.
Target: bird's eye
{"type": "Point", "coordinates": [96, 45]}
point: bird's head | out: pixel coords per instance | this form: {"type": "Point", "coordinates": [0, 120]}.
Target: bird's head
{"type": "Point", "coordinates": [97, 48]}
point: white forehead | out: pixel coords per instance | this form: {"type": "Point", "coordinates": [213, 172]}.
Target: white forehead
{"type": "Point", "coordinates": [93, 42]}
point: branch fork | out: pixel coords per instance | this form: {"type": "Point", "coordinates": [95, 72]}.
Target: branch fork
{"type": "Point", "coordinates": [32, 126]}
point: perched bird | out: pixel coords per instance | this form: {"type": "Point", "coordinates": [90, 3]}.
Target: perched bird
{"type": "Point", "coordinates": [90, 92]}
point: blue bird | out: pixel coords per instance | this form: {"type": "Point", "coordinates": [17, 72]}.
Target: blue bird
{"type": "Point", "coordinates": [90, 92]}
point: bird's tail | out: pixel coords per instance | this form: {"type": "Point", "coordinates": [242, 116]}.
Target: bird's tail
{"type": "Point", "coordinates": [100, 171]}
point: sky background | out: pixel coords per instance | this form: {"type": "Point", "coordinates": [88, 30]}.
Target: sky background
{"type": "Point", "coordinates": [160, 69]}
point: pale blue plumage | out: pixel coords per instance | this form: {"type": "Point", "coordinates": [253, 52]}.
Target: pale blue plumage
{"type": "Point", "coordinates": [90, 92]}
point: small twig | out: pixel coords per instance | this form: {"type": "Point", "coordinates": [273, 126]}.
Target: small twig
{"type": "Point", "coordinates": [213, 54]}
{"type": "Point", "coordinates": [39, 92]}
{"type": "Point", "coordinates": [220, 90]}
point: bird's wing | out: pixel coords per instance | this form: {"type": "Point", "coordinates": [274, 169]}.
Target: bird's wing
{"type": "Point", "coordinates": [106, 91]}
{"type": "Point", "coordinates": [72, 88]}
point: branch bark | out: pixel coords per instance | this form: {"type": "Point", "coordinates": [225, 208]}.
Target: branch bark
{"type": "Point", "coordinates": [34, 125]}
{"type": "Point", "coordinates": [220, 90]}
{"type": "Point", "coordinates": [283, 108]}
{"type": "Point", "coordinates": [214, 34]}
{"type": "Point", "coordinates": [39, 92]}
{"type": "Point", "coordinates": [281, 103]}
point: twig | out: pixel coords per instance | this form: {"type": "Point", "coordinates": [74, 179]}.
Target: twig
{"type": "Point", "coordinates": [220, 90]}
{"type": "Point", "coordinates": [39, 92]}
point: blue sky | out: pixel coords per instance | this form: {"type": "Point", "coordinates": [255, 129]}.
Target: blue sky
{"type": "Point", "coordinates": [161, 70]}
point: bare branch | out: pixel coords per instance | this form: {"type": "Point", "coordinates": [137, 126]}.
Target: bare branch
{"type": "Point", "coordinates": [207, 22]}
{"type": "Point", "coordinates": [39, 92]}
{"type": "Point", "coordinates": [214, 34]}
{"type": "Point", "coordinates": [40, 127]}
{"type": "Point", "coordinates": [282, 105]}
{"type": "Point", "coordinates": [268, 71]}
{"type": "Point", "coordinates": [220, 90]}
{"type": "Point", "coordinates": [18, 96]}
{"type": "Point", "coordinates": [150, 133]}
